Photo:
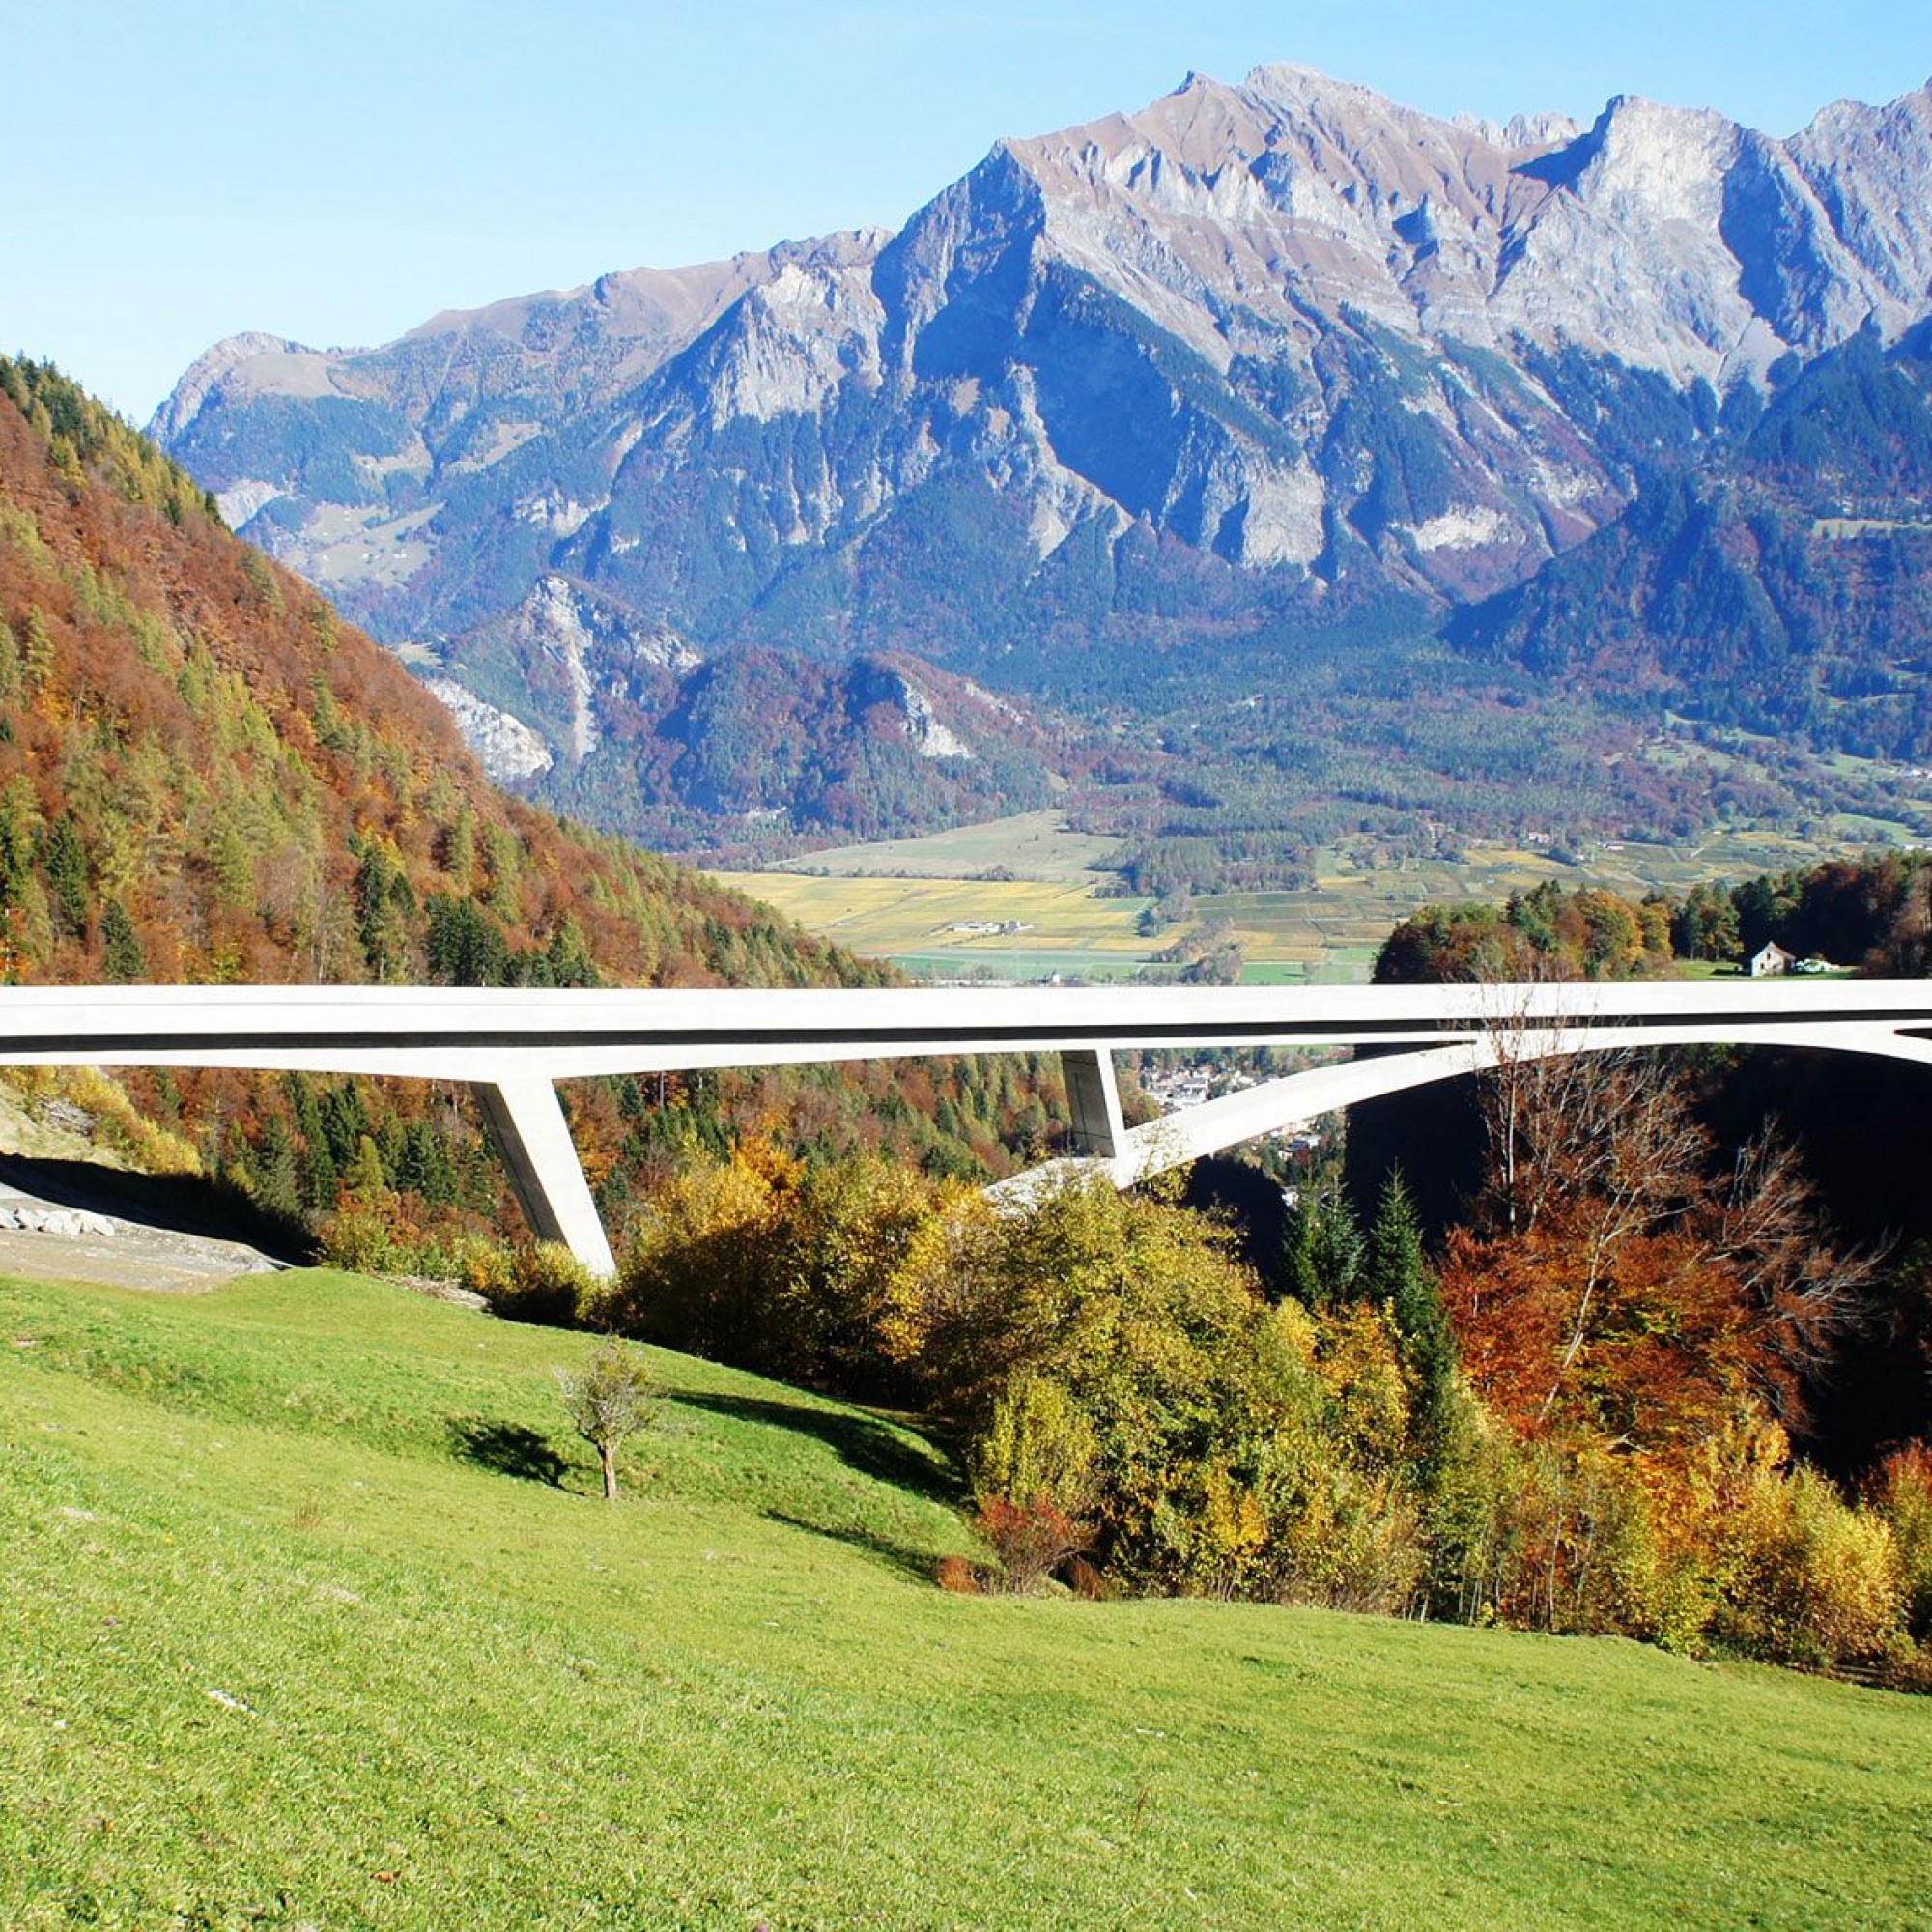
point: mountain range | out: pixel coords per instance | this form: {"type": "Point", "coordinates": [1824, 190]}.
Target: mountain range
{"type": "Point", "coordinates": [1257, 370]}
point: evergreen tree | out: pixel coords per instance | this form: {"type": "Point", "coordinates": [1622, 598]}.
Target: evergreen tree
{"type": "Point", "coordinates": [1323, 1252]}
{"type": "Point", "coordinates": [318, 1174]}
{"type": "Point", "coordinates": [19, 817]}
{"type": "Point", "coordinates": [385, 905]}
{"type": "Point", "coordinates": [1396, 1274]}
{"type": "Point", "coordinates": [122, 943]}
{"type": "Point", "coordinates": [363, 1178]}
{"type": "Point", "coordinates": [464, 946]}
{"type": "Point", "coordinates": [568, 957]}
{"type": "Point", "coordinates": [458, 853]}
{"type": "Point", "coordinates": [37, 650]}
{"type": "Point", "coordinates": [276, 1169]}
{"type": "Point", "coordinates": [64, 864]}
{"type": "Point", "coordinates": [343, 1122]}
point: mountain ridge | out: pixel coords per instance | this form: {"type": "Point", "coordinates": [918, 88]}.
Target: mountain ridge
{"type": "Point", "coordinates": [1255, 362]}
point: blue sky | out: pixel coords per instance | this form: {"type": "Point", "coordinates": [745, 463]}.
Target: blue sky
{"type": "Point", "coordinates": [337, 171]}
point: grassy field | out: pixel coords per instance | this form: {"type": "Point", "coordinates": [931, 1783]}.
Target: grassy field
{"type": "Point", "coordinates": [906, 901]}
{"type": "Point", "coordinates": [913, 921]}
{"type": "Point", "coordinates": [1038, 845]}
{"type": "Point", "coordinates": [308, 1619]}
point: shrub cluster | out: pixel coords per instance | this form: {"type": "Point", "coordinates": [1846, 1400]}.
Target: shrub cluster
{"type": "Point", "coordinates": [1137, 1413]}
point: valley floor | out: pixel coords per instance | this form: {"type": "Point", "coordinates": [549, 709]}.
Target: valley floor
{"type": "Point", "coordinates": [1021, 899]}
{"type": "Point", "coordinates": [309, 1617]}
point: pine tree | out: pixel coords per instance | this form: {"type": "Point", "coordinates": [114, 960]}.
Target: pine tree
{"type": "Point", "coordinates": [1396, 1274]}
{"type": "Point", "coordinates": [64, 864]}
{"type": "Point", "coordinates": [122, 943]}
{"type": "Point", "coordinates": [365, 1178]}
{"type": "Point", "coordinates": [459, 851]}
{"type": "Point", "coordinates": [37, 650]}
{"type": "Point", "coordinates": [1322, 1261]}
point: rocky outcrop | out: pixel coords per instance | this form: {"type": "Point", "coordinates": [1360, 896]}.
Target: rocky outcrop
{"type": "Point", "coordinates": [505, 746]}
{"type": "Point", "coordinates": [574, 699]}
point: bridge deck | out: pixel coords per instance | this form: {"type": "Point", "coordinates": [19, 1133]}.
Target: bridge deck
{"type": "Point", "coordinates": [512, 1046]}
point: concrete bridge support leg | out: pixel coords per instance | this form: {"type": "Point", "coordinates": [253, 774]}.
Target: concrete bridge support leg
{"type": "Point", "coordinates": [527, 1123]}
{"type": "Point", "coordinates": [1098, 1130]}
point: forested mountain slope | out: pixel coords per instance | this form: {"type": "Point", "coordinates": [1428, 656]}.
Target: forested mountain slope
{"type": "Point", "coordinates": [572, 697]}
{"type": "Point", "coordinates": [1782, 584]}
{"type": "Point", "coordinates": [206, 776]}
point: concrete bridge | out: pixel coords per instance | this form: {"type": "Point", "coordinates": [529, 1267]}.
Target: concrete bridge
{"type": "Point", "coordinates": [513, 1046]}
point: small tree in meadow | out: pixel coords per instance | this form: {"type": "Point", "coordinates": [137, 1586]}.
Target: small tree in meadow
{"type": "Point", "coordinates": [612, 1400]}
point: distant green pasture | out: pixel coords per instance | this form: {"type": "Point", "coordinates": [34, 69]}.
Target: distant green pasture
{"type": "Point", "coordinates": [902, 901]}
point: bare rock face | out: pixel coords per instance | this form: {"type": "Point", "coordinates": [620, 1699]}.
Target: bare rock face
{"type": "Point", "coordinates": [568, 659]}
{"type": "Point", "coordinates": [505, 746]}
{"type": "Point", "coordinates": [632, 727]}
{"type": "Point", "coordinates": [1269, 348]}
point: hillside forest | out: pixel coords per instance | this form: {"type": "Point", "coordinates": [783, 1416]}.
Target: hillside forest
{"type": "Point", "coordinates": [1647, 1365]}
{"type": "Point", "coordinates": [206, 776]}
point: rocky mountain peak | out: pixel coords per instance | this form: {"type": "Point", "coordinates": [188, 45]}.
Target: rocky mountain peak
{"type": "Point", "coordinates": [1653, 162]}
{"type": "Point", "coordinates": [1547, 129]}
{"type": "Point", "coordinates": [1247, 353]}
{"type": "Point", "coordinates": [217, 365]}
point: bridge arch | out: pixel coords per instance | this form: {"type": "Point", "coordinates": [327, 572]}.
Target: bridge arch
{"type": "Point", "coordinates": [1214, 1126]}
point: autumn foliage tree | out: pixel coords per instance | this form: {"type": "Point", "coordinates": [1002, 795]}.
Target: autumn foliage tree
{"type": "Point", "coordinates": [1621, 1273]}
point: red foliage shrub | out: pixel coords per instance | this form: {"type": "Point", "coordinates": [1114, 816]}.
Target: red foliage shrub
{"type": "Point", "coordinates": [1031, 1538]}
{"type": "Point", "coordinates": [956, 1574]}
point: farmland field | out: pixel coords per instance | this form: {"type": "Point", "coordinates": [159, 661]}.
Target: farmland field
{"type": "Point", "coordinates": [917, 902]}
{"type": "Point", "coordinates": [1030, 845]}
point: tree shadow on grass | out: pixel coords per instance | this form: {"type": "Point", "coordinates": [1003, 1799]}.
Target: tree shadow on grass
{"type": "Point", "coordinates": [861, 1441]}
{"type": "Point", "coordinates": [509, 1449]}
{"type": "Point", "coordinates": [917, 1564]}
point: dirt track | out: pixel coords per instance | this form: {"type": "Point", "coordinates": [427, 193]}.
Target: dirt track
{"type": "Point", "coordinates": [131, 1256]}
{"type": "Point", "coordinates": [86, 1219]}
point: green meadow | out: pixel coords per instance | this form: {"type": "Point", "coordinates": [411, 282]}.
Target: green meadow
{"type": "Point", "coordinates": [908, 900]}
{"type": "Point", "coordinates": [310, 1617]}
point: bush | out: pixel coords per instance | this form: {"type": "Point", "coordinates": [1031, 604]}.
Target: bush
{"type": "Point", "coordinates": [1084, 1580]}
{"type": "Point", "coordinates": [1578, 1550]}
{"type": "Point", "coordinates": [1037, 1444]}
{"type": "Point", "coordinates": [545, 1283]}
{"type": "Point", "coordinates": [816, 1274]}
{"type": "Point", "coordinates": [1811, 1581]}
{"type": "Point", "coordinates": [1901, 1494]}
{"type": "Point", "coordinates": [956, 1574]}
{"type": "Point", "coordinates": [1355, 1545]}
{"type": "Point", "coordinates": [360, 1239]}
{"type": "Point", "coordinates": [1031, 1538]}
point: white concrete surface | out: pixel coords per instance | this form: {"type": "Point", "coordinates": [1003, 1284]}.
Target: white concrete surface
{"type": "Point", "coordinates": [513, 1045]}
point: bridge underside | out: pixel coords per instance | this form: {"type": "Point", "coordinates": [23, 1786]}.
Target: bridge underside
{"type": "Point", "coordinates": [1131, 1154]}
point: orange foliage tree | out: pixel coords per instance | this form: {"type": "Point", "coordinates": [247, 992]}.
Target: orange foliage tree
{"type": "Point", "coordinates": [1622, 1275]}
